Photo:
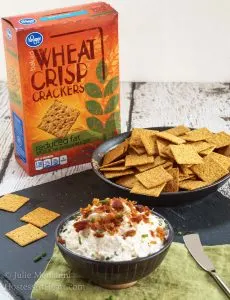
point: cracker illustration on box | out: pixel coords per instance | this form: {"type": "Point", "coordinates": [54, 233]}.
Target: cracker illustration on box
{"type": "Point", "coordinates": [63, 80]}
{"type": "Point", "coordinates": [58, 119]}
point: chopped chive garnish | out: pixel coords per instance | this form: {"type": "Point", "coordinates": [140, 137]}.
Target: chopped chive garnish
{"type": "Point", "coordinates": [79, 239]}
{"type": "Point", "coordinates": [39, 257]}
{"type": "Point", "coordinates": [144, 235]}
{"type": "Point", "coordinates": [106, 200]}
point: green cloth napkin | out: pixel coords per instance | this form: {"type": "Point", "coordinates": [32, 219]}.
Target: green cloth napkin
{"type": "Point", "coordinates": [178, 277]}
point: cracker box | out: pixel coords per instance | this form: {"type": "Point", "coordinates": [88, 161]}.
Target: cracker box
{"type": "Point", "coordinates": [63, 80]}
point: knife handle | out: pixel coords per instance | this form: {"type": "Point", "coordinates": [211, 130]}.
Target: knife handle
{"type": "Point", "coordinates": [221, 283]}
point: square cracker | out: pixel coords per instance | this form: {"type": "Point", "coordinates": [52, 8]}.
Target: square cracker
{"type": "Point", "coordinates": [127, 181]}
{"type": "Point", "coordinates": [114, 168]}
{"type": "Point", "coordinates": [135, 139]}
{"type": "Point", "coordinates": [115, 153]}
{"type": "Point", "coordinates": [220, 139]}
{"type": "Point", "coordinates": [185, 154]}
{"type": "Point", "coordinates": [141, 189]}
{"type": "Point", "coordinates": [145, 167]}
{"type": "Point", "coordinates": [224, 161]}
{"type": "Point", "coordinates": [200, 146]}
{"type": "Point", "coordinates": [115, 174]}
{"type": "Point", "coordinates": [40, 217]}
{"type": "Point", "coordinates": [197, 135]}
{"type": "Point", "coordinates": [148, 139]}
{"type": "Point", "coordinates": [172, 185]}
{"type": "Point", "coordinates": [115, 163]}
{"type": "Point", "coordinates": [137, 160]}
{"type": "Point", "coordinates": [12, 202]}
{"type": "Point", "coordinates": [138, 150]}
{"type": "Point", "coordinates": [179, 130]}
{"type": "Point", "coordinates": [210, 171]}
{"type": "Point", "coordinates": [58, 119]}
{"type": "Point", "coordinates": [207, 151]}
{"type": "Point", "coordinates": [170, 137]}
{"type": "Point", "coordinates": [26, 234]}
{"type": "Point", "coordinates": [192, 184]}
{"type": "Point", "coordinates": [161, 145]}
{"type": "Point", "coordinates": [154, 177]}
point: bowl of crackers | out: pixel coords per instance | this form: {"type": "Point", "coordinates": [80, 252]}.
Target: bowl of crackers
{"type": "Point", "coordinates": [164, 165]}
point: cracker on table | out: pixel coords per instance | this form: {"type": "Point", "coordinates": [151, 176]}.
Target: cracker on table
{"type": "Point", "coordinates": [141, 189]}
{"type": "Point", "coordinates": [148, 139]}
{"type": "Point", "coordinates": [145, 167]}
{"type": "Point", "coordinates": [58, 119]}
{"type": "Point", "coordinates": [26, 234]}
{"type": "Point", "coordinates": [136, 160]}
{"type": "Point", "coordinates": [170, 137]}
{"type": "Point", "coordinates": [12, 202]}
{"type": "Point", "coordinates": [40, 217]}
{"type": "Point", "coordinates": [127, 181]}
{"type": "Point", "coordinates": [115, 153]}
{"type": "Point", "coordinates": [197, 135]}
{"type": "Point", "coordinates": [224, 161]}
{"type": "Point", "coordinates": [192, 184]}
{"type": "Point", "coordinates": [115, 163]}
{"type": "Point", "coordinates": [139, 150]}
{"type": "Point", "coordinates": [220, 139]}
{"type": "Point", "coordinates": [115, 174]}
{"type": "Point", "coordinates": [179, 130]}
{"type": "Point", "coordinates": [210, 171]}
{"type": "Point", "coordinates": [154, 177]}
{"type": "Point", "coordinates": [185, 154]}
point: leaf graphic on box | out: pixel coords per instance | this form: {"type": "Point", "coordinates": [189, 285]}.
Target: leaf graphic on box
{"type": "Point", "coordinates": [94, 107]}
{"type": "Point", "coordinates": [111, 104]}
{"type": "Point", "coordinates": [99, 72]}
{"type": "Point", "coordinates": [93, 90]}
{"type": "Point", "coordinates": [112, 125]}
{"type": "Point", "coordinates": [111, 86]}
{"type": "Point", "coordinates": [94, 124]}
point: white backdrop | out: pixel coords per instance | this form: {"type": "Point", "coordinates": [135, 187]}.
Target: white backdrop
{"type": "Point", "coordinates": [160, 40]}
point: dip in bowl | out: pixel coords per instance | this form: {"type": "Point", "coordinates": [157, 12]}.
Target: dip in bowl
{"type": "Point", "coordinates": [114, 242]}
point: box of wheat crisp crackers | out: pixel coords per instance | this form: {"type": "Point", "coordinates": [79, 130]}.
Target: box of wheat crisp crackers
{"type": "Point", "coordinates": [63, 81]}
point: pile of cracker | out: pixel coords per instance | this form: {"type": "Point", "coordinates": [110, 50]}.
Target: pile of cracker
{"type": "Point", "coordinates": [151, 162]}
{"type": "Point", "coordinates": [35, 219]}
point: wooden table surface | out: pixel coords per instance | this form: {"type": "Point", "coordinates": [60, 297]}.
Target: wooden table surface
{"type": "Point", "coordinates": [142, 105]}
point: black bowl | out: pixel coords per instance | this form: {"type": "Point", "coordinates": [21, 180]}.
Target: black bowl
{"type": "Point", "coordinates": [165, 199]}
{"type": "Point", "coordinates": [114, 275]}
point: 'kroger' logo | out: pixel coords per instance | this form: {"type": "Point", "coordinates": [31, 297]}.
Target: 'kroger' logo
{"type": "Point", "coordinates": [34, 39]}
{"type": "Point", "coordinates": [27, 21]}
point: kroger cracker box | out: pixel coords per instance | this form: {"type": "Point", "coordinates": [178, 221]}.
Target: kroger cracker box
{"type": "Point", "coordinates": [63, 79]}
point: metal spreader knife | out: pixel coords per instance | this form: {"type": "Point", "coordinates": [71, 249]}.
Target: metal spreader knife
{"type": "Point", "coordinates": [194, 246]}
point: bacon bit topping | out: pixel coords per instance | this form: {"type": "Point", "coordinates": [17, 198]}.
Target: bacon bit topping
{"type": "Point", "coordinates": [129, 233]}
{"type": "Point", "coordinates": [81, 225]}
{"type": "Point", "coordinates": [86, 211]}
{"type": "Point", "coordinates": [99, 234]}
{"type": "Point", "coordinates": [152, 233]}
{"type": "Point", "coordinates": [136, 219]}
{"type": "Point", "coordinates": [140, 208]}
{"type": "Point", "coordinates": [117, 204]}
{"type": "Point", "coordinates": [160, 233]}
{"type": "Point", "coordinates": [60, 240]}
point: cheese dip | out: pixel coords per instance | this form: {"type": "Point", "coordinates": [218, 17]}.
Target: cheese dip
{"type": "Point", "coordinates": [114, 229]}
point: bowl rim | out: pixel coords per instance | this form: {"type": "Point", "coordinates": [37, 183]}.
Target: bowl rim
{"type": "Point", "coordinates": [135, 260]}
{"type": "Point", "coordinates": [126, 135]}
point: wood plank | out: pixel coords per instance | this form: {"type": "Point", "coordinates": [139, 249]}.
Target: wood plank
{"type": "Point", "coordinates": [192, 104]}
{"type": "Point", "coordinates": [16, 179]}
